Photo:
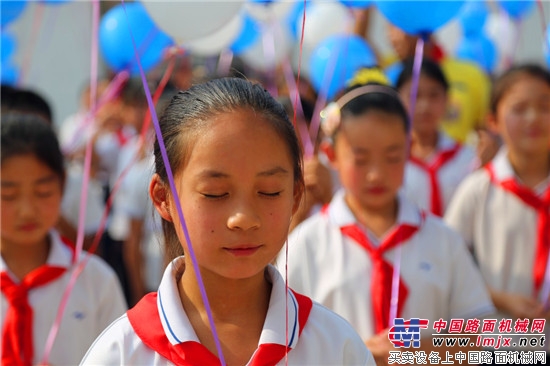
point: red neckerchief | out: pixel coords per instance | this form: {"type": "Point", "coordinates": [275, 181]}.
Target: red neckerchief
{"type": "Point", "coordinates": [542, 206]}
{"type": "Point", "coordinates": [442, 157]}
{"type": "Point", "coordinates": [145, 320]}
{"type": "Point", "coordinates": [17, 333]}
{"type": "Point", "coordinates": [382, 271]}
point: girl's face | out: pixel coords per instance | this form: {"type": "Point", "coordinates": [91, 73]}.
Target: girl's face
{"type": "Point", "coordinates": [31, 200]}
{"type": "Point", "coordinates": [370, 154]}
{"type": "Point", "coordinates": [238, 194]}
{"type": "Point", "coordinates": [523, 116]}
{"type": "Point", "coordinates": [431, 103]}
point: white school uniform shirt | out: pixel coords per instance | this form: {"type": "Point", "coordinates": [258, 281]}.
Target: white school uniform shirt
{"type": "Point", "coordinates": [335, 270]}
{"type": "Point", "coordinates": [326, 339]}
{"type": "Point", "coordinates": [134, 203]}
{"type": "Point", "coordinates": [417, 186]}
{"type": "Point", "coordinates": [96, 300]}
{"type": "Point", "coordinates": [498, 227]}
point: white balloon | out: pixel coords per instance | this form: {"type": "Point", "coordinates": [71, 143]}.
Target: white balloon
{"type": "Point", "coordinates": [217, 41]}
{"type": "Point", "coordinates": [325, 19]}
{"type": "Point", "coordinates": [272, 45]}
{"type": "Point", "coordinates": [503, 32]}
{"type": "Point", "coordinates": [185, 20]}
{"type": "Point", "coordinates": [269, 12]}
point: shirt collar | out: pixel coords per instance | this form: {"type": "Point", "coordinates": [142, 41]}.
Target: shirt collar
{"type": "Point", "coordinates": [340, 214]}
{"type": "Point", "coordinates": [178, 328]}
{"type": "Point", "coordinates": [60, 255]}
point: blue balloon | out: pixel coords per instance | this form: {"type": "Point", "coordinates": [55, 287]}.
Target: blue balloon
{"type": "Point", "coordinates": [336, 60]}
{"type": "Point", "coordinates": [294, 15]}
{"type": "Point", "coordinates": [393, 72]}
{"type": "Point", "coordinates": [359, 4]}
{"type": "Point", "coordinates": [472, 17]}
{"type": "Point", "coordinates": [115, 40]}
{"type": "Point", "coordinates": [516, 8]}
{"type": "Point", "coordinates": [248, 36]}
{"type": "Point", "coordinates": [55, 2]}
{"type": "Point", "coordinates": [479, 49]}
{"type": "Point", "coordinates": [10, 10]}
{"type": "Point", "coordinates": [8, 45]}
{"type": "Point", "coordinates": [9, 73]}
{"type": "Point", "coordinates": [419, 17]}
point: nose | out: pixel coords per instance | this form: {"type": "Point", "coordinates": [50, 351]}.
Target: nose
{"type": "Point", "coordinates": [26, 208]}
{"type": "Point", "coordinates": [244, 218]}
{"type": "Point", "coordinates": [374, 173]}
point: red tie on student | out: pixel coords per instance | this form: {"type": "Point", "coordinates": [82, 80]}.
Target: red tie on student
{"type": "Point", "coordinates": [436, 204]}
{"type": "Point", "coordinates": [542, 206]}
{"type": "Point", "coordinates": [382, 271]}
{"type": "Point", "coordinates": [145, 320]}
{"type": "Point", "coordinates": [17, 334]}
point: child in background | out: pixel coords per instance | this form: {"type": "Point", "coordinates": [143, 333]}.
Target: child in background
{"type": "Point", "coordinates": [437, 164]}
{"type": "Point", "coordinates": [36, 262]}
{"type": "Point", "coordinates": [237, 168]}
{"type": "Point", "coordinates": [344, 257]}
{"type": "Point", "coordinates": [502, 211]}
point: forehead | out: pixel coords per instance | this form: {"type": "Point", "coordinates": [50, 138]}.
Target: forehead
{"type": "Point", "coordinates": [26, 168]}
{"type": "Point", "coordinates": [239, 138]}
{"type": "Point", "coordinates": [374, 129]}
{"type": "Point", "coordinates": [525, 86]}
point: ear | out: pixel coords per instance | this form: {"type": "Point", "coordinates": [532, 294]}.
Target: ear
{"type": "Point", "coordinates": [159, 193]}
{"type": "Point", "coordinates": [492, 124]}
{"type": "Point", "coordinates": [327, 147]}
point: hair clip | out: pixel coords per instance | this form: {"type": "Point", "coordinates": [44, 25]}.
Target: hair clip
{"type": "Point", "coordinates": [330, 119]}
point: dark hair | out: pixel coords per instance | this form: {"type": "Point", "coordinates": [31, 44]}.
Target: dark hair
{"type": "Point", "coordinates": [504, 82]}
{"type": "Point", "coordinates": [307, 107]}
{"type": "Point", "coordinates": [25, 101]}
{"type": "Point", "coordinates": [188, 114]}
{"type": "Point", "coordinates": [429, 68]}
{"type": "Point", "coordinates": [30, 134]}
{"type": "Point", "coordinates": [375, 101]}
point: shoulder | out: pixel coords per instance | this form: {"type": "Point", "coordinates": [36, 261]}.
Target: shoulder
{"type": "Point", "coordinates": [114, 345]}
{"type": "Point", "coordinates": [474, 184]}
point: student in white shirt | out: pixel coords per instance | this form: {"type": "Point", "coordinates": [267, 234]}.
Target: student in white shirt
{"type": "Point", "coordinates": [503, 211]}
{"type": "Point", "coordinates": [437, 164]}
{"type": "Point", "coordinates": [345, 256]}
{"type": "Point", "coordinates": [36, 263]}
{"type": "Point", "coordinates": [238, 175]}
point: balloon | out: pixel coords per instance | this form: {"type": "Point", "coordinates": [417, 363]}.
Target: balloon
{"type": "Point", "coordinates": [186, 20]}
{"type": "Point", "coordinates": [479, 49]}
{"type": "Point", "coordinates": [336, 60]}
{"type": "Point", "coordinates": [546, 47]}
{"type": "Point", "coordinates": [472, 17]}
{"type": "Point", "coordinates": [8, 45]}
{"type": "Point", "coordinates": [10, 10]}
{"type": "Point", "coordinates": [502, 31]}
{"type": "Point", "coordinates": [360, 4]}
{"type": "Point", "coordinates": [216, 42]}
{"type": "Point", "coordinates": [55, 2]}
{"type": "Point", "coordinates": [263, 58]}
{"type": "Point", "coordinates": [294, 16]}
{"type": "Point", "coordinates": [115, 41]}
{"type": "Point", "coordinates": [9, 73]}
{"type": "Point", "coordinates": [248, 36]}
{"type": "Point", "coordinates": [419, 17]}
{"type": "Point", "coordinates": [516, 8]}
{"type": "Point", "coordinates": [324, 19]}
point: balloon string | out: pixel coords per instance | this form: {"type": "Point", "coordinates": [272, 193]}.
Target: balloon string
{"type": "Point", "coordinates": [38, 15]}
{"type": "Point", "coordinates": [417, 66]}
{"type": "Point", "coordinates": [82, 264]}
{"type": "Point", "coordinates": [176, 197]}
{"type": "Point", "coordinates": [395, 286]}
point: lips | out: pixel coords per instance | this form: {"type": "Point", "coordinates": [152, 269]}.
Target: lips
{"type": "Point", "coordinates": [243, 250]}
{"type": "Point", "coordinates": [376, 190]}
{"type": "Point", "coordinates": [28, 227]}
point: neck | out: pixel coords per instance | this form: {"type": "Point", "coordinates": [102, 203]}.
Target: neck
{"type": "Point", "coordinates": [228, 298]}
{"type": "Point", "coordinates": [377, 219]}
{"type": "Point", "coordinates": [531, 169]}
{"type": "Point", "coordinates": [23, 259]}
{"type": "Point", "coordinates": [423, 144]}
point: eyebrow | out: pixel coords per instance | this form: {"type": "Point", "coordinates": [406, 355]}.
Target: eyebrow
{"type": "Point", "coordinates": [44, 180]}
{"type": "Point", "coordinates": [214, 174]}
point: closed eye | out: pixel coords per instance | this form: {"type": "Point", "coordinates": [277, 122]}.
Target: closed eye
{"type": "Point", "coordinates": [271, 194]}
{"type": "Point", "coordinates": [215, 196]}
